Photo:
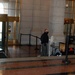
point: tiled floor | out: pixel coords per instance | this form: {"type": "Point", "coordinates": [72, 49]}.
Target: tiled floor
{"type": "Point", "coordinates": [23, 61]}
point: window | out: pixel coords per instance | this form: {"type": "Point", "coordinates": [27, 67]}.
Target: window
{"type": "Point", "coordinates": [1, 8]}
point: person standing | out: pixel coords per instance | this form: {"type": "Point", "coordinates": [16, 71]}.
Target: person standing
{"type": "Point", "coordinates": [44, 43]}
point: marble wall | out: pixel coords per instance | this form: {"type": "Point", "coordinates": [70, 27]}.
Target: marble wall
{"type": "Point", "coordinates": [36, 15]}
{"type": "Point", "coordinates": [34, 18]}
{"type": "Point", "coordinates": [56, 19]}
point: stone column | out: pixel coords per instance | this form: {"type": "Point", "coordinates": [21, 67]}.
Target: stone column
{"type": "Point", "coordinates": [56, 19]}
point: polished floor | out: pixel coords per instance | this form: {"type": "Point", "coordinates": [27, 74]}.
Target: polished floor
{"type": "Point", "coordinates": [26, 51]}
{"type": "Point", "coordinates": [37, 66]}
{"type": "Point", "coordinates": [23, 51]}
{"type": "Point", "coordinates": [23, 60]}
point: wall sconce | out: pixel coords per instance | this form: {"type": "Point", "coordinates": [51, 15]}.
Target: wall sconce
{"type": "Point", "coordinates": [66, 5]}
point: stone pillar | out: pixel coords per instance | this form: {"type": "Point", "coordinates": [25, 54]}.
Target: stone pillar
{"type": "Point", "coordinates": [56, 19]}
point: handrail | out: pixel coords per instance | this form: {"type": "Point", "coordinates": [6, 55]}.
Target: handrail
{"type": "Point", "coordinates": [36, 40]}
{"type": "Point", "coordinates": [35, 36]}
{"type": "Point", "coordinates": [30, 39]}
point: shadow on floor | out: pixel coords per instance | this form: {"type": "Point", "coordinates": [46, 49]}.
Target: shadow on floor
{"type": "Point", "coordinates": [2, 55]}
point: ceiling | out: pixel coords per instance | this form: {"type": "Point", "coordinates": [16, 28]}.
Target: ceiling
{"type": "Point", "coordinates": [70, 0]}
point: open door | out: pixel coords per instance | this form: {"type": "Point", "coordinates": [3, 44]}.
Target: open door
{"type": "Point", "coordinates": [3, 32]}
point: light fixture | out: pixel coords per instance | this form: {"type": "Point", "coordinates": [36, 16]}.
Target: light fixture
{"type": "Point", "coordinates": [66, 5]}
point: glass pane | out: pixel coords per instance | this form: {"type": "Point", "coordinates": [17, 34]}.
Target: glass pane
{"type": "Point", "coordinates": [0, 27]}
{"type": "Point", "coordinates": [0, 36]}
{"type": "Point", "coordinates": [0, 31]}
{"type": "Point", "coordinates": [10, 31]}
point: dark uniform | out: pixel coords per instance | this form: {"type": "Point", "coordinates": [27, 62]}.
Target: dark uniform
{"type": "Point", "coordinates": [44, 44]}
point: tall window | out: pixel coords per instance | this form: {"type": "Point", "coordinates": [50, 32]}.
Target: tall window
{"type": "Point", "coordinates": [0, 31]}
{"type": "Point", "coordinates": [1, 12]}
{"type": "Point", "coordinates": [1, 8]}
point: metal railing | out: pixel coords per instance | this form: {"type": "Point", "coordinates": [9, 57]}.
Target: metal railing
{"type": "Point", "coordinates": [29, 40]}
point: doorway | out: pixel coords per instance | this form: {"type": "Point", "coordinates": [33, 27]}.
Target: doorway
{"type": "Point", "coordinates": [3, 32]}
{"type": "Point", "coordinates": [13, 30]}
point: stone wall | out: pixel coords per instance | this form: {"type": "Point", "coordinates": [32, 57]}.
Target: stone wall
{"type": "Point", "coordinates": [36, 15]}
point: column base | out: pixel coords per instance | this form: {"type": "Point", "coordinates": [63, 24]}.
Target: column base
{"type": "Point", "coordinates": [66, 62]}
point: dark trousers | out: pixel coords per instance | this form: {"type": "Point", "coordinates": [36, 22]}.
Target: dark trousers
{"type": "Point", "coordinates": [44, 49]}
